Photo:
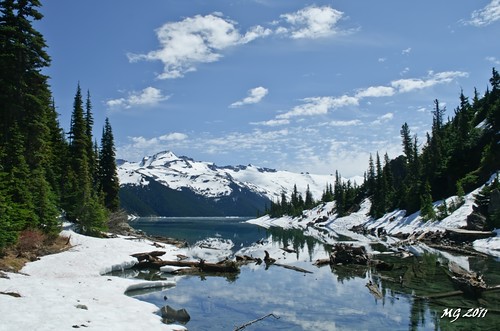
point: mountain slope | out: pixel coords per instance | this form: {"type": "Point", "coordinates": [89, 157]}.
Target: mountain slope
{"type": "Point", "coordinates": [167, 185]}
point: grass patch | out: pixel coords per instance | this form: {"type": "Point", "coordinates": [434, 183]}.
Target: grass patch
{"type": "Point", "coordinates": [30, 246]}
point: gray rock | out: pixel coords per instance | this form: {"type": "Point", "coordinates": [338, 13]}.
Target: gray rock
{"type": "Point", "coordinates": [171, 314]}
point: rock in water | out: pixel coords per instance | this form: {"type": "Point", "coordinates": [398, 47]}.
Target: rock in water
{"type": "Point", "coordinates": [170, 314]}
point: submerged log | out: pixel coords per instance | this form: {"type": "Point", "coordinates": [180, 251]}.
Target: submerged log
{"type": "Point", "coordinates": [467, 281]}
{"type": "Point", "coordinates": [374, 290]}
{"type": "Point", "coordinates": [292, 267]}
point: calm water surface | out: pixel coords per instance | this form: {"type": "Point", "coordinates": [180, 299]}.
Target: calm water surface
{"type": "Point", "coordinates": [328, 299]}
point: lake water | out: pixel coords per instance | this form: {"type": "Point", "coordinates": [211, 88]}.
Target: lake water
{"type": "Point", "coordinates": [328, 299]}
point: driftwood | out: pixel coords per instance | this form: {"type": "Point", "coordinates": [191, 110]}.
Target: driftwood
{"type": "Point", "coordinates": [255, 321]}
{"type": "Point", "coordinates": [457, 250]}
{"type": "Point", "coordinates": [348, 254]}
{"type": "Point", "coordinates": [270, 261]}
{"type": "Point", "coordinates": [150, 256]}
{"type": "Point", "coordinates": [345, 254]}
{"type": "Point", "coordinates": [467, 281]}
{"type": "Point", "coordinates": [151, 260]}
{"type": "Point", "coordinates": [292, 267]}
{"type": "Point", "coordinates": [229, 266]}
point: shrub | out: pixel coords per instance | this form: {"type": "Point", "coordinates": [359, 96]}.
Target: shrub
{"type": "Point", "coordinates": [30, 240]}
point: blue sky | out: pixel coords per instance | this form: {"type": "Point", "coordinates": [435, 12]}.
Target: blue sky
{"type": "Point", "coordinates": [307, 87]}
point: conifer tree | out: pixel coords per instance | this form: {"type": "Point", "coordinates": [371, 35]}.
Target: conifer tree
{"type": "Point", "coordinates": [309, 200]}
{"type": "Point", "coordinates": [83, 203]}
{"type": "Point", "coordinates": [25, 105]}
{"type": "Point", "coordinates": [108, 176]}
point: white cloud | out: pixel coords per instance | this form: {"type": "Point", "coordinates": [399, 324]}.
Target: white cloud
{"type": "Point", "coordinates": [345, 123]}
{"type": "Point", "coordinates": [173, 136]}
{"type": "Point", "coordinates": [406, 51]}
{"type": "Point", "coordinates": [149, 96]}
{"type": "Point", "coordinates": [311, 22]}
{"type": "Point", "coordinates": [376, 92]}
{"type": "Point", "coordinates": [255, 95]}
{"type": "Point", "coordinates": [485, 16]}
{"type": "Point", "coordinates": [319, 106]}
{"type": "Point", "coordinates": [411, 84]}
{"type": "Point", "coordinates": [275, 122]}
{"type": "Point", "coordinates": [198, 39]}
{"type": "Point", "coordinates": [493, 60]}
{"type": "Point", "coordinates": [384, 118]}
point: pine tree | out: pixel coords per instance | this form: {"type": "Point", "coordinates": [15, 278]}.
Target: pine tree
{"type": "Point", "coordinates": [309, 200]}
{"type": "Point", "coordinates": [25, 102]}
{"type": "Point", "coordinates": [427, 210]}
{"type": "Point", "coordinates": [83, 202]}
{"type": "Point", "coordinates": [108, 175]}
{"type": "Point", "coordinates": [407, 143]}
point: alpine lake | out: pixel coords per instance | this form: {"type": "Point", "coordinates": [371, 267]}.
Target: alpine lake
{"type": "Point", "coordinates": [328, 298]}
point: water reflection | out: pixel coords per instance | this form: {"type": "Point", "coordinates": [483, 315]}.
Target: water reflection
{"type": "Point", "coordinates": [333, 297]}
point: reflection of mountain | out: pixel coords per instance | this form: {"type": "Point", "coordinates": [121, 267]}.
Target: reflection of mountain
{"type": "Point", "coordinates": [167, 185]}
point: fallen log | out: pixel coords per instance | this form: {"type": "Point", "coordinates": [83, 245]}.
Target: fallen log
{"type": "Point", "coordinates": [457, 250]}
{"type": "Point", "coordinates": [270, 261]}
{"type": "Point", "coordinates": [292, 267]}
{"type": "Point", "coordinates": [149, 256]}
{"type": "Point", "coordinates": [348, 254]}
{"type": "Point", "coordinates": [241, 327]}
{"type": "Point", "coordinates": [440, 295]}
{"type": "Point", "coordinates": [227, 267]}
{"type": "Point", "coordinates": [467, 281]}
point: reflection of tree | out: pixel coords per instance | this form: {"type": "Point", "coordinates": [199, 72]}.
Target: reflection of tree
{"type": "Point", "coordinates": [417, 313]}
{"type": "Point", "coordinates": [349, 272]}
{"type": "Point", "coordinates": [294, 238]}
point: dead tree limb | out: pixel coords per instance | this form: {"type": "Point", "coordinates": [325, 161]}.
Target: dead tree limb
{"type": "Point", "coordinates": [255, 321]}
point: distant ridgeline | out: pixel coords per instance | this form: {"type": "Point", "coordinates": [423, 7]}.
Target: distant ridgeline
{"type": "Point", "coordinates": [157, 199]}
{"type": "Point", "coordinates": [167, 185]}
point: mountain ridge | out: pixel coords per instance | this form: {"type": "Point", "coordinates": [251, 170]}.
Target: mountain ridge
{"type": "Point", "coordinates": [181, 177]}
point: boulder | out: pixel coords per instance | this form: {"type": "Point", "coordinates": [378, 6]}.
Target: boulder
{"type": "Point", "coordinates": [172, 315]}
{"type": "Point", "coordinates": [476, 222]}
{"type": "Point", "coordinates": [494, 205]}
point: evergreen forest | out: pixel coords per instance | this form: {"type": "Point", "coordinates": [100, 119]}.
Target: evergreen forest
{"type": "Point", "coordinates": [460, 152]}
{"type": "Point", "coordinates": [46, 174]}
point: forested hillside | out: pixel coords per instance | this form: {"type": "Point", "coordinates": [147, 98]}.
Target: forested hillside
{"type": "Point", "coordinates": [459, 153]}
{"type": "Point", "coordinates": [45, 172]}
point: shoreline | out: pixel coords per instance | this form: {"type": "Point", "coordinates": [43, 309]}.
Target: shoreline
{"type": "Point", "coordinates": [69, 290]}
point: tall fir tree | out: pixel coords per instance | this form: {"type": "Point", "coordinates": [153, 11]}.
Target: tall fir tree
{"type": "Point", "coordinates": [108, 175]}
{"type": "Point", "coordinates": [83, 204]}
{"type": "Point", "coordinates": [26, 105]}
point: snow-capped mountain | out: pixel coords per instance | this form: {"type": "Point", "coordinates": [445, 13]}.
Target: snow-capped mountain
{"type": "Point", "coordinates": [207, 182]}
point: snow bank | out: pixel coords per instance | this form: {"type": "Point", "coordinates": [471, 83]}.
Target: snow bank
{"type": "Point", "coordinates": [322, 224]}
{"type": "Point", "coordinates": [69, 290]}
